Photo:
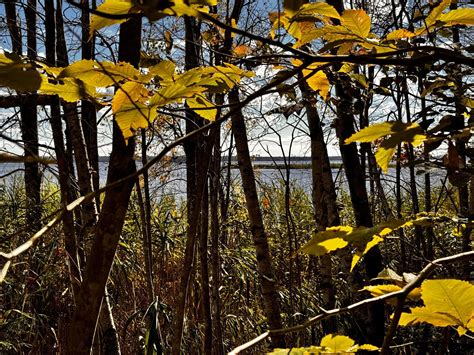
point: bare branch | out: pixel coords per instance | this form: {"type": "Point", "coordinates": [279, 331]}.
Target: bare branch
{"type": "Point", "coordinates": [403, 293]}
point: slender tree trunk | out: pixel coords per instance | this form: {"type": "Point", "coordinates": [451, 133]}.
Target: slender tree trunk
{"type": "Point", "coordinates": [360, 202]}
{"type": "Point", "coordinates": [204, 268]}
{"type": "Point", "coordinates": [324, 201]}
{"type": "Point", "coordinates": [67, 192]}
{"type": "Point", "coordinates": [88, 111]}
{"type": "Point", "coordinates": [463, 191]}
{"type": "Point", "coordinates": [28, 113]}
{"type": "Point", "coordinates": [194, 184]}
{"type": "Point", "coordinates": [147, 242]}
{"type": "Point", "coordinates": [426, 157]}
{"type": "Point", "coordinates": [264, 260]}
{"type": "Point", "coordinates": [217, 346]}
{"type": "Point", "coordinates": [111, 218]}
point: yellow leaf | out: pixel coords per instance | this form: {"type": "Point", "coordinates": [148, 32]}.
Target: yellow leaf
{"type": "Point", "coordinates": [398, 131]}
{"type": "Point", "coordinates": [174, 93]}
{"type": "Point", "coordinates": [18, 75]}
{"type": "Point", "coordinates": [69, 89]}
{"type": "Point", "coordinates": [202, 107]}
{"type": "Point", "coordinates": [314, 11]}
{"type": "Point", "coordinates": [458, 17]}
{"type": "Point", "coordinates": [379, 290]}
{"type": "Point", "coordinates": [399, 34]}
{"type": "Point", "coordinates": [383, 156]}
{"type": "Point", "coordinates": [129, 92]}
{"type": "Point", "coordinates": [318, 82]}
{"type": "Point", "coordinates": [447, 303]}
{"type": "Point", "coordinates": [292, 6]}
{"type": "Point", "coordinates": [337, 343]}
{"type": "Point", "coordinates": [357, 21]}
{"type": "Point", "coordinates": [133, 116]}
{"type": "Point", "coordinates": [164, 70]}
{"type": "Point", "coordinates": [113, 7]}
{"type": "Point", "coordinates": [374, 132]}
{"type": "Point", "coordinates": [326, 241]}
{"type": "Point", "coordinates": [436, 12]}
{"type": "Point", "coordinates": [100, 74]}
{"type": "Point", "coordinates": [330, 344]}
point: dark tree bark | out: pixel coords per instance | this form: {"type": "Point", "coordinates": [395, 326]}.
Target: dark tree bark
{"type": "Point", "coordinates": [324, 200]}
{"type": "Point", "coordinates": [111, 218]}
{"type": "Point", "coordinates": [28, 113]}
{"type": "Point", "coordinates": [88, 111]}
{"type": "Point", "coordinates": [359, 198]}
{"type": "Point", "coordinates": [67, 191]}
{"type": "Point", "coordinates": [264, 261]}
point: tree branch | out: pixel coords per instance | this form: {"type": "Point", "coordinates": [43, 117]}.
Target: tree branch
{"type": "Point", "coordinates": [403, 293]}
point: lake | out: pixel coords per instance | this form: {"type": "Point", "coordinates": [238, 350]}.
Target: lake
{"type": "Point", "coordinates": [171, 179]}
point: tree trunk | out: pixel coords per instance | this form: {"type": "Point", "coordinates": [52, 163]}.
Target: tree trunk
{"type": "Point", "coordinates": [111, 218]}
{"type": "Point", "coordinates": [324, 200]}
{"type": "Point", "coordinates": [28, 113]}
{"type": "Point", "coordinates": [360, 202]}
{"type": "Point", "coordinates": [264, 260]}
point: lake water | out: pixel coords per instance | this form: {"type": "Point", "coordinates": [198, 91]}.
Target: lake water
{"type": "Point", "coordinates": [172, 179]}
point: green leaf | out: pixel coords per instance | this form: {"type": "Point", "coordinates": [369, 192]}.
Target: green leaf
{"type": "Point", "coordinates": [447, 303]}
{"type": "Point", "coordinates": [356, 21]}
{"type": "Point", "coordinates": [458, 17]}
{"type": "Point", "coordinates": [18, 75]}
{"type": "Point", "coordinates": [113, 7]}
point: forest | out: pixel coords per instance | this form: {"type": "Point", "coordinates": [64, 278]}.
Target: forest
{"type": "Point", "coordinates": [236, 177]}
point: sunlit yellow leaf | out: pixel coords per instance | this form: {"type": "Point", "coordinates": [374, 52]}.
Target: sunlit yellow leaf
{"type": "Point", "coordinates": [379, 290]}
{"type": "Point", "coordinates": [436, 12]}
{"type": "Point", "coordinates": [357, 21]}
{"type": "Point", "coordinates": [174, 93]}
{"type": "Point", "coordinates": [318, 82]}
{"type": "Point", "coordinates": [398, 132]}
{"type": "Point", "coordinates": [164, 70]}
{"type": "Point", "coordinates": [459, 17]}
{"type": "Point", "coordinates": [337, 343]}
{"type": "Point", "coordinates": [315, 10]}
{"type": "Point", "coordinates": [202, 107]}
{"type": "Point", "coordinates": [70, 90]}
{"type": "Point", "coordinates": [447, 303]}
{"type": "Point", "coordinates": [330, 344]}
{"type": "Point", "coordinates": [18, 75]}
{"type": "Point", "coordinates": [129, 92]}
{"type": "Point", "coordinates": [399, 34]}
{"type": "Point", "coordinates": [100, 74]}
{"type": "Point", "coordinates": [133, 116]}
{"type": "Point", "coordinates": [113, 7]}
